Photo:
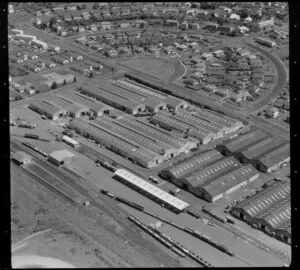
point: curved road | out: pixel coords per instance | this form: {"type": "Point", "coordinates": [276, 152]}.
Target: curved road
{"type": "Point", "coordinates": [281, 78]}
{"type": "Point", "coordinates": [34, 261]}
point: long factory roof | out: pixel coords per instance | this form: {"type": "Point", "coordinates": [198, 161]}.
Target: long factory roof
{"type": "Point", "coordinates": [276, 156]}
{"type": "Point", "coordinates": [191, 119]}
{"type": "Point", "coordinates": [153, 131]}
{"type": "Point", "coordinates": [127, 134]}
{"type": "Point", "coordinates": [180, 125]}
{"type": "Point", "coordinates": [121, 90]}
{"type": "Point", "coordinates": [144, 89]}
{"type": "Point", "coordinates": [195, 163]}
{"type": "Point", "coordinates": [262, 147]}
{"type": "Point", "coordinates": [214, 171]}
{"type": "Point", "coordinates": [109, 96]}
{"type": "Point", "coordinates": [278, 213]}
{"type": "Point", "coordinates": [244, 140]}
{"type": "Point", "coordinates": [93, 105]}
{"type": "Point", "coordinates": [217, 118]}
{"type": "Point", "coordinates": [95, 131]}
{"type": "Point", "coordinates": [230, 180]}
{"type": "Point", "coordinates": [66, 104]}
{"type": "Point", "coordinates": [151, 189]}
{"type": "Point", "coordinates": [46, 106]}
{"type": "Point", "coordinates": [265, 198]}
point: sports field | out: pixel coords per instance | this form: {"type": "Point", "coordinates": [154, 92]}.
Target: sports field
{"type": "Point", "coordinates": [156, 67]}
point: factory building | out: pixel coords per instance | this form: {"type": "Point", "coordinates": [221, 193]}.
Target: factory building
{"type": "Point", "coordinates": [231, 124]}
{"type": "Point", "coordinates": [239, 143]}
{"type": "Point", "coordinates": [158, 134]}
{"type": "Point", "coordinates": [268, 210]}
{"type": "Point", "coordinates": [172, 122]}
{"type": "Point", "coordinates": [118, 144]}
{"type": "Point", "coordinates": [72, 109]}
{"type": "Point", "coordinates": [272, 161]}
{"type": "Point", "coordinates": [257, 150]}
{"type": "Point", "coordinates": [61, 157]}
{"type": "Point", "coordinates": [46, 108]}
{"type": "Point", "coordinates": [151, 191]}
{"type": "Point", "coordinates": [113, 99]}
{"type": "Point", "coordinates": [219, 130]}
{"type": "Point", "coordinates": [210, 176]}
{"type": "Point", "coordinates": [216, 189]}
{"type": "Point", "coordinates": [95, 107]}
{"type": "Point", "coordinates": [134, 137]}
{"type": "Point", "coordinates": [177, 173]}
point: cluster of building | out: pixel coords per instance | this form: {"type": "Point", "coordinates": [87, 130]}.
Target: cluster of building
{"type": "Point", "coordinates": [135, 140]}
{"type": "Point", "coordinates": [32, 40]}
{"type": "Point", "coordinates": [125, 43]}
{"type": "Point", "coordinates": [264, 152]}
{"type": "Point", "coordinates": [268, 210]}
{"type": "Point", "coordinates": [210, 176]}
{"type": "Point", "coordinates": [231, 72]}
{"type": "Point", "coordinates": [204, 125]}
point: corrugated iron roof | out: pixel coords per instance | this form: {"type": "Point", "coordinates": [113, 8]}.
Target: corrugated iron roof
{"type": "Point", "coordinates": [153, 190]}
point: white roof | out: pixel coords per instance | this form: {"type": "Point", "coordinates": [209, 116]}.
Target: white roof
{"type": "Point", "coordinates": [153, 190]}
{"type": "Point", "coordinates": [60, 155]}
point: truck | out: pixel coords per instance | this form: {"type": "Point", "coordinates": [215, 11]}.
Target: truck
{"type": "Point", "coordinates": [174, 192]}
{"type": "Point", "coordinates": [44, 117]}
{"type": "Point", "coordinates": [154, 180]}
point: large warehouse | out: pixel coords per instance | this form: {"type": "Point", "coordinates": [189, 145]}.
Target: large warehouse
{"type": "Point", "coordinates": [260, 148]}
{"type": "Point", "coordinates": [113, 99]}
{"type": "Point", "coordinates": [151, 191]}
{"type": "Point", "coordinates": [95, 107]}
{"type": "Point", "coordinates": [49, 109]}
{"type": "Point", "coordinates": [231, 124]}
{"type": "Point", "coordinates": [149, 145]}
{"type": "Point", "coordinates": [210, 176]}
{"type": "Point", "coordinates": [118, 144]}
{"type": "Point", "coordinates": [239, 143]}
{"type": "Point", "coordinates": [157, 134]}
{"type": "Point", "coordinates": [177, 173]}
{"type": "Point", "coordinates": [170, 122]}
{"type": "Point", "coordinates": [272, 160]}
{"type": "Point", "coordinates": [268, 210]}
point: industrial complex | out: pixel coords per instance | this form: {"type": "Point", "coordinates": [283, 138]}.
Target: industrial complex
{"type": "Point", "coordinates": [150, 134]}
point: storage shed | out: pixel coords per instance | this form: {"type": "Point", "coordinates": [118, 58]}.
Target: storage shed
{"type": "Point", "coordinates": [21, 157]}
{"type": "Point", "coordinates": [61, 157]}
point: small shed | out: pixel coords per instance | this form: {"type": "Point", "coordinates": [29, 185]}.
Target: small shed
{"type": "Point", "coordinates": [21, 157]}
{"type": "Point", "coordinates": [61, 157]}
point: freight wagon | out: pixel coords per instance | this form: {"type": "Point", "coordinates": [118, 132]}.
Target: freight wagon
{"type": "Point", "coordinates": [31, 136]}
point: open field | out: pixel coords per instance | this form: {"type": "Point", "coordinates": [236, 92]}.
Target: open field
{"type": "Point", "coordinates": [156, 67]}
{"type": "Point", "coordinates": [283, 52]}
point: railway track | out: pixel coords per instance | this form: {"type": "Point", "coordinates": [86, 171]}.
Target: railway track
{"type": "Point", "coordinates": [51, 188]}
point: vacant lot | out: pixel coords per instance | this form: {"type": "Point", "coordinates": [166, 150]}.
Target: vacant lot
{"type": "Point", "coordinates": [283, 52]}
{"type": "Point", "coordinates": [156, 67]}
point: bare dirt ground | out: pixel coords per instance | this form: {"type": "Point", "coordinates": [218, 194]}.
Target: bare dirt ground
{"type": "Point", "coordinates": [76, 237]}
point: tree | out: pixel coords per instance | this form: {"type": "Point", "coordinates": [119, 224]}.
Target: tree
{"type": "Point", "coordinates": [54, 85]}
{"type": "Point", "coordinates": [244, 13]}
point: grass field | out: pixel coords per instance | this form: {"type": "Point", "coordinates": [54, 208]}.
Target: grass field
{"type": "Point", "coordinates": [283, 52]}
{"type": "Point", "coordinates": [155, 67]}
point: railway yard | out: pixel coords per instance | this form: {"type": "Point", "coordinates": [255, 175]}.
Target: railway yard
{"type": "Point", "coordinates": [115, 162]}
